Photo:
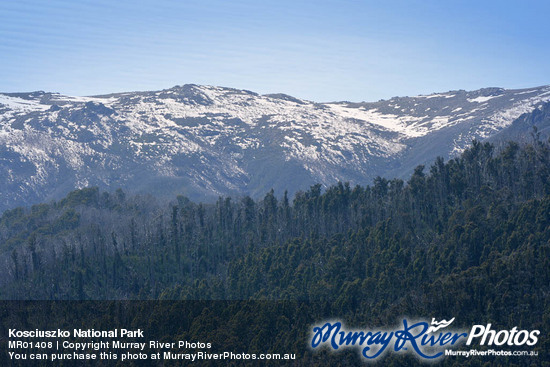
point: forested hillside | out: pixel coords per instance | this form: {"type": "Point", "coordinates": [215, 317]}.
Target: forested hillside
{"type": "Point", "coordinates": [476, 213]}
{"type": "Point", "coordinates": [468, 238]}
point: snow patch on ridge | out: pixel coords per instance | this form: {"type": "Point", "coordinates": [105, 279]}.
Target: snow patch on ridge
{"type": "Point", "coordinates": [481, 99]}
{"type": "Point", "coordinates": [21, 105]}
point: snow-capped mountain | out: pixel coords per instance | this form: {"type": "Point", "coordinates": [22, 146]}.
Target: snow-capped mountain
{"type": "Point", "coordinates": [204, 141]}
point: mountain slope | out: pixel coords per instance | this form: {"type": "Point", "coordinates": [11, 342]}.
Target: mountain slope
{"type": "Point", "coordinates": [204, 141]}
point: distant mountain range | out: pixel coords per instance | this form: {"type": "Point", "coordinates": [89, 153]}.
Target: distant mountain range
{"type": "Point", "coordinates": [205, 141]}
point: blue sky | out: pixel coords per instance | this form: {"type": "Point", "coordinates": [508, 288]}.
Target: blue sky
{"type": "Point", "coordinates": [318, 50]}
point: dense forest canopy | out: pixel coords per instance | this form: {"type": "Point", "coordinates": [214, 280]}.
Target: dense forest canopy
{"type": "Point", "coordinates": [468, 238]}
{"type": "Point", "coordinates": [471, 213]}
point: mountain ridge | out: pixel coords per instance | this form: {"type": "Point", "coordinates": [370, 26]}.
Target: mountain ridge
{"type": "Point", "coordinates": [207, 141]}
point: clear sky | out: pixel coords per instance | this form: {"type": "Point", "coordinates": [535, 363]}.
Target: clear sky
{"type": "Point", "coordinates": [318, 50]}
